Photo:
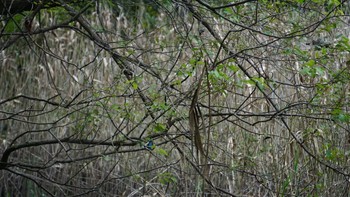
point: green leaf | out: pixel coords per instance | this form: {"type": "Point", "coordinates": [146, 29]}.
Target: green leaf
{"type": "Point", "coordinates": [310, 63]}
{"type": "Point", "coordinates": [343, 44]}
{"type": "Point", "coordinates": [339, 115]}
{"type": "Point", "coordinates": [301, 53]}
{"type": "Point", "coordinates": [166, 178]}
{"type": "Point", "coordinates": [193, 61]}
{"type": "Point", "coordinates": [162, 152]}
{"type": "Point", "coordinates": [285, 185]}
{"type": "Point", "coordinates": [216, 74]}
{"type": "Point", "coordinates": [115, 107]}
{"type": "Point", "coordinates": [14, 23]}
{"type": "Point", "coordinates": [159, 127]}
{"type": "Point", "coordinates": [310, 69]}
{"type": "Point", "coordinates": [233, 68]}
{"type": "Point", "coordinates": [249, 82]}
{"type": "Point", "coordinates": [134, 85]}
{"type": "Point", "coordinates": [200, 63]}
{"type": "Point", "coordinates": [228, 11]}
{"type": "Point", "coordinates": [332, 153]}
{"type": "Point", "coordinates": [319, 71]}
{"type": "Point", "coordinates": [256, 81]}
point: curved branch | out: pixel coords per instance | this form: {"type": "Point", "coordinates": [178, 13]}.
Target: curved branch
{"type": "Point", "coordinates": [8, 151]}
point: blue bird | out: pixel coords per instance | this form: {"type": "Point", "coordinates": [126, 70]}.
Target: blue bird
{"type": "Point", "coordinates": [149, 145]}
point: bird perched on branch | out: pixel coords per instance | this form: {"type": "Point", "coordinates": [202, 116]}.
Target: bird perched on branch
{"type": "Point", "coordinates": [149, 145]}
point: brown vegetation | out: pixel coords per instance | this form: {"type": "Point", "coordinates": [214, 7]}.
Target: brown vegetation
{"type": "Point", "coordinates": [238, 99]}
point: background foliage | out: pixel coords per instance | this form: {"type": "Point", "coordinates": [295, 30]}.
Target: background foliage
{"type": "Point", "coordinates": [175, 98]}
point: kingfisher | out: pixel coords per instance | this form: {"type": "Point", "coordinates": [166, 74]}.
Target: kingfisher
{"type": "Point", "coordinates": [150, 145]}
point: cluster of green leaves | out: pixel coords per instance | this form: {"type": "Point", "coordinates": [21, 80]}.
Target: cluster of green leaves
{"type": "Point", "coordinates": [167, 178]}
{"type": "Point", "coordinates": [311, 69]}
{"type": "Point", "coordinates": [340, 115]}
{"type": "Point", "coordinates": [222, 77]}
{"type": "Point", "coordinates": [87, 122]}
{"type": "Point", "coordinates": [332, 153]}
{"type": "Point", "coordinates": [14, 24]}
